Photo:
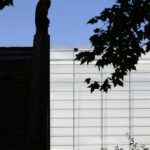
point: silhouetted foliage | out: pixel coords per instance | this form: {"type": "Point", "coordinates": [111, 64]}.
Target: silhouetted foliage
{"type": "Point", "coordinates": [120, 42]}
{"type": "Point", "coordinates": [4, 3]}
{"type": "Point", "coordinates": [133, 145]}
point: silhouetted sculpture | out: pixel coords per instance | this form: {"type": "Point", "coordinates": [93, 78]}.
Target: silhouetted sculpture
{"type": "Point", "coordinates": [41, 19]}
{"type": "Point", "coordinates": [38, 133]}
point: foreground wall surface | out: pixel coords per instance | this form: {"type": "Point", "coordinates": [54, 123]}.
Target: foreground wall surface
{"type": "Point", "coordinates": [84, 121]}
{"type": "Point", "coordinates": [15, 75]}
{"type": "Point", "coordinates": [24, 97]}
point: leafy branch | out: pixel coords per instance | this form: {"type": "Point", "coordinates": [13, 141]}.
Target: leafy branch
{"type": "Point", "coordinates": [4, 3]}
{"type": "Point", "coordinates": [121, 44]}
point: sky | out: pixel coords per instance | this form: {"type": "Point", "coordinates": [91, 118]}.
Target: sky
{"type": "Point", "coordinates": [68, 22]}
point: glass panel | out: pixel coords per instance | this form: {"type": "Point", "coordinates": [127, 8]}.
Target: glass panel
{"type": "Point", "coordinates": [61, 104]}
{"type": "Point", "coordinates": [87, 95]}
{"type": "Point", "coordinates": [87, 131]}
{"type": "Point", "coordinates": [61, 78]}
{"type": "Point", "coordinates": [140, 86]}
{"type": "Point", "coordinates": [61, 113]}
{"type": "Point", "coordinates": [115, 130]}
{"type": "Point", "coordinates": [61, 55]}
{"type": "Point", "coordinates": [140, 76]}
{"type": "Point", "coordinates": [140, 121]}
{"type": "Point", "coordinates": [115, 140]}
{"type": "Point", "coordinates": [61, 69]}
{"type": "Point", "coordinates": [61, 95]}
{"type": "Point", "coordinates": [116, 104]}
{"type": "Point", "coordinates": [116, 122]}
{"type": "Point", "coordinates": [140, 95]}
{"type": "Point", "coordinates": [116, 112]}
{"type": "Point", "coordinates": [88, 113]}
{"type": "Point", "coordinates": [79, 87]}
{"type": "Point", "coordinates": [88, 104]}
{"type": "Point", "coordinates": [86, 69]}
{"type": "Point", "coordinates": [62, 122]}
{"type": "Point", "coordinates": [141, 103]}
{"type": "Point", "coordinates": [68, 147]}
{"type": "Point", "coordinates": [63, 62]}
{"type": "Point", "coordinates": [141, 112]}
{"type": "Point", "coordinates": [93, 146]}
{"type": "Point", "coordinates": [87, 140]}
{"type": "Point", "coordinates": [82, 77]}
{"type": "Point", "coordinates": [116, 95]}
{"type": "Point", "coordinates": [62, 132]}
{"type": "Point", "coordinates": [142, 67]}
{"type": "Point", "coordinates": [64, 87]}
{"type": "Point", "coordinates": [87, 122]}
{"type": "Point", "coordinates": [141, 130]}
{"type": "Point", "coordinates": [142, 139]}
{"type": "Point", "coordinates": [112, 147]}
{"type": "Point", "coordinates": [61, 140]}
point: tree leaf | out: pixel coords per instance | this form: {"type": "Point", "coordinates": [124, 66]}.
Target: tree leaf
{"type": "Point", "coordinates": [76, 49]}
{"type": "Point", "coordinates": [87, 80]}
{"type": "Point", "coordinates": [92, 21]}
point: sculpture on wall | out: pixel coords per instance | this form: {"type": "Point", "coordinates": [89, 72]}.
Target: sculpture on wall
{"type": "Point", "coordinates": [41, 19]}
{"type": "Point", "coordinates": [38, 125]}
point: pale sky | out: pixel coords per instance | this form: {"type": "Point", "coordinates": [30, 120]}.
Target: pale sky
{"type": "Point", "coordinates": [68, 26]}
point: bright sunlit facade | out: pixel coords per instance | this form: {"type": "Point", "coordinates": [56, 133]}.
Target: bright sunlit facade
{"type": "Point", "coordinates": [84, 121]}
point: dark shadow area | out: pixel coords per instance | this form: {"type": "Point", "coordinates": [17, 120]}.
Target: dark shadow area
{"type": "Point", "coordinates": [15, 79]}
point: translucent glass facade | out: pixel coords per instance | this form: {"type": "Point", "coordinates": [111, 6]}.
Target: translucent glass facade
{"type": "Point", "coordinates": [84, 121]}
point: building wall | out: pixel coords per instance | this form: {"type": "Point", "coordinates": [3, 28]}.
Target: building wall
{"type": "Point", "coordinates": [15, 78]}
{"type": "Point", "coordinates": [84, 121]}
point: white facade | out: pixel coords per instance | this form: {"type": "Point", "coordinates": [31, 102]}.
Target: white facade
{"type": "Point", "coordinates": [84, 121]}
